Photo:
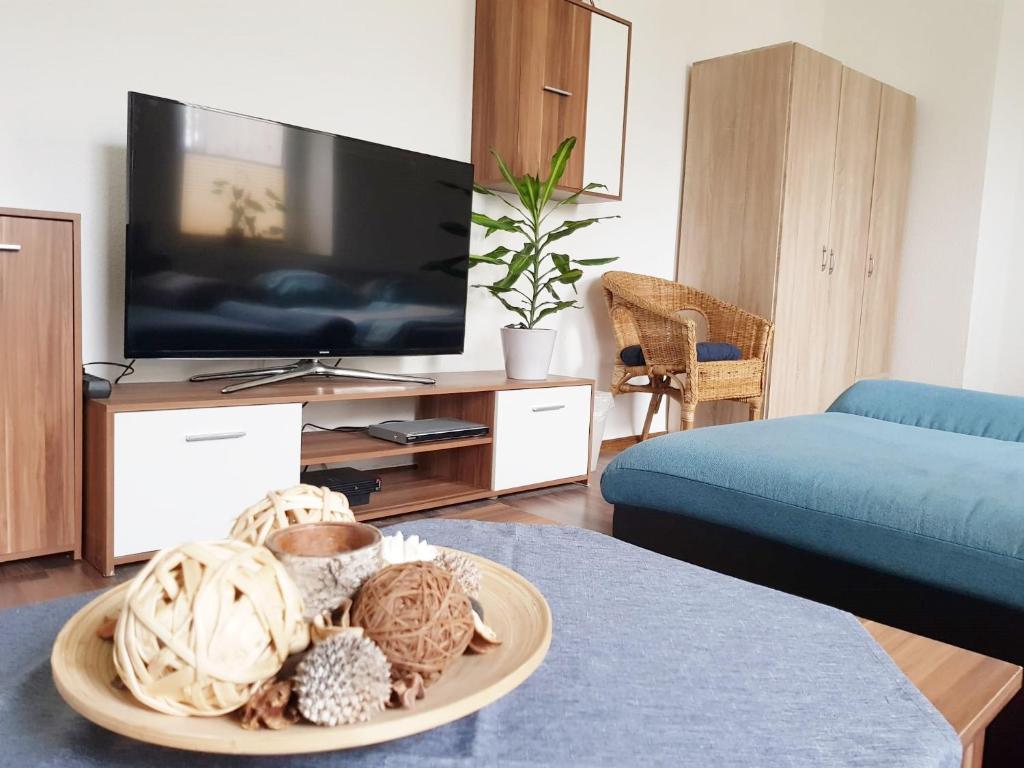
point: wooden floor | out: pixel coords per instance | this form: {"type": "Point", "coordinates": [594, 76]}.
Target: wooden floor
{"type": "Point", "coordinates": [46, 578]}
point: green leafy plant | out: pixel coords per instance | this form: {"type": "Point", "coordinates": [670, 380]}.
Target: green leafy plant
{"type": "Point", "coordinates": [534, 273]}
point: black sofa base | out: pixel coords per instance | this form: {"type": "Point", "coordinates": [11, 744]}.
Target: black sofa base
{"type": "Point", "coordinates": [988, 628]}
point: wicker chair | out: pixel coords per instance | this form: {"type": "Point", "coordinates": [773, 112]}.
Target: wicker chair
{"type": "Point", "coordinates": [645, 311]}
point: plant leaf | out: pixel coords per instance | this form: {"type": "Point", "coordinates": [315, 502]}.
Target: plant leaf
{"type": "Point", "coordinates": [517, 184]}
{"type": "Point", "coordinates": [511, 307]}
{"type": "Point", "coordinates": [531, 198]}
{"type": "Point", "coordinates": [556, 307]}
{"type": "Point", "coordinates": [481, 190]}
{"type": "Point", "coordinates": [575, 195]}
{"type": "Point", "coordinates": [558, 163]}
{"type": "Point", "coordinates": [561, 261]}
{"type": "Point", "coordinates": [504, 224]}
{"type": "Point", "coordinates": [256, 206]}
{"type": "Point", "coordinates": [494, 257]}
{"type": "Point", "coordinates": [567, 227]}
{"type": "Point", "coordinates": [519, 264]}
{"type": "Point", "coordinates": [568, 278]}
{"type": "Point", "coordinates": [595, 262]}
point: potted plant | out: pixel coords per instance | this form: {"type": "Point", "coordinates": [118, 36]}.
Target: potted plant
{"type": "Point", "coordinates": [535, 275]}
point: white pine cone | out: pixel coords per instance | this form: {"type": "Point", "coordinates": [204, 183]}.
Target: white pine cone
{"type": "Point", "coordinates": [345, 679]}
{"type": "Point", "coordinates": [465, 571]}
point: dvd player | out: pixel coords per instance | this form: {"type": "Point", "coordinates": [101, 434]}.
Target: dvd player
{"type": "Point", "coordinates": [426, 430]}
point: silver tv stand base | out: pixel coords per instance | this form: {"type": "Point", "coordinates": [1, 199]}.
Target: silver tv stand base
{"type": "Point", "coordinates": [261, 376]}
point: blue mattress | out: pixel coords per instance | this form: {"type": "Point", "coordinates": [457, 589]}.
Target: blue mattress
{"type": "Point", "coordinates": [925, 483]}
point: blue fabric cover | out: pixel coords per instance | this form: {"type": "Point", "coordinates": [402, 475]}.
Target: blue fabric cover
{"type": "Point", "coordinates": [943, 508]}
{"type": "Point", "coordinates": [653, 662]}
{"type": "Point", "coordinates": [707, 352]}
{"type": "Point", "coordinates": [922, 405]}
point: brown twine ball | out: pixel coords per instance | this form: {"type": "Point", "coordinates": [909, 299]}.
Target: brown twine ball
{"type": "Point", "coordinates": [419, 617]}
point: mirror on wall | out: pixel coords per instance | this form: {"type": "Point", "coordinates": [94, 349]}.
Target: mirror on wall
{"type": "Point", "coordinates": [606, 102]}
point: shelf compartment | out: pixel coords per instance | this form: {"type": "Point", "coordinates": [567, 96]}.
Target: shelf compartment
{"type": "Point", "coordinates": [324, 447]}
{"type": "Point", "coordinates": [410, 489]}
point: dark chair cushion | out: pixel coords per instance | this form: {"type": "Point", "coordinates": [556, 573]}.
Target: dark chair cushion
{"type": "Point", "coordinates": [707, 352]}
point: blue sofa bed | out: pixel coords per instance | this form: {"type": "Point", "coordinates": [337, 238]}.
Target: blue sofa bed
{"type": "Point", "coordinates": [903, 502]}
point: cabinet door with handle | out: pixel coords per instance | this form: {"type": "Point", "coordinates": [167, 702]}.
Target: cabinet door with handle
{"type": "Point", "coordinates": [564, 91]}
{"type": "Point", "coordinates": [801, 334]}
{"type": "Point", "coordinates": [37, 386]}
{"type": "Point", "coordinates": [852, 182]}
{"type": "Point", "coordinates": [885, 232]}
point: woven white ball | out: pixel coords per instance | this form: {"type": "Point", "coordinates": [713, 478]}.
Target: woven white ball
{"type": "Point", "coordinates": [279, 509]}
{"type": "Point", "coordinates": [204, 624]}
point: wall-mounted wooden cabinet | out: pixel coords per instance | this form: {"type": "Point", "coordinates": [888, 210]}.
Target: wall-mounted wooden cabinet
{"type": "Point", "coordinates": [545, 70]}
{"type": "Point", "coordinates": [795, 185]}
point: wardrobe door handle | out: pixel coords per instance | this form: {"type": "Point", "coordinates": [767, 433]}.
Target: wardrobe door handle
{"type": "Point", "coordinates": [871, 264]}
{"type": "Point", "coordinates": [831, 261]}
{"type": "Point", "coordinates": [559, 91]}
{"type": "Point", "coordinates": [11, 247]}
{"type": "Point", "coordinates": [824, 252]}
{"type": "Point", "coordinates": [213, 436]}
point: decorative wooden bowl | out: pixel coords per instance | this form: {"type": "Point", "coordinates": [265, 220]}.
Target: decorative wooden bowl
{"type": "Point", "coordinates": [83, 670]}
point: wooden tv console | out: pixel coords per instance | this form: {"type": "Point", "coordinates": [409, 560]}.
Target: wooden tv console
{"type": "Point", "coordinates": [178, 461]}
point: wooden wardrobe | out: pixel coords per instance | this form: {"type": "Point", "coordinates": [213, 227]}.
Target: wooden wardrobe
{"type": "Point", "coordinates": [40, 384]}
{"type": "Point", "coordinates": [794, 193]}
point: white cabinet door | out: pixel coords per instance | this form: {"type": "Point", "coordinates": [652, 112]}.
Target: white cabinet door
{"type": "Point", "coordinates": [184, 475]}
{"type": "Point", "coordinates": [540, 435]}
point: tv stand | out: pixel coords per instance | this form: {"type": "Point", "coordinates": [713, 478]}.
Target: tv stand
{"type": "Point", "coordinates": [168, 462]}
{"type": "Point", "coordinates": [301, 369]}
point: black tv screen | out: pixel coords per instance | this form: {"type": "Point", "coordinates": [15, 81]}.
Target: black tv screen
{"type": "Point", "coordinates": [251, 238]}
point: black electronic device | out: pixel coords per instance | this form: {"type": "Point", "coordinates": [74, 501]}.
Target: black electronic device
{"type": "Point", "coordinates": [95, 387]}
{"type": "Point", "coordinates": [356, 484]}
{"type": "Point", "coordinates": [249, 238]}
{"type": "Point", "coordinates": [426, 430]}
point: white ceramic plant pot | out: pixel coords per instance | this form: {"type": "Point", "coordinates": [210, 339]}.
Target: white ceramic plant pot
{"type": "Point", "coordinates": [527, 352]}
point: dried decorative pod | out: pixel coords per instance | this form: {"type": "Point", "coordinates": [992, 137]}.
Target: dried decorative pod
{"type": "Point", "coordinates": [270, 707]}
{"type": "Point", "coordinates": [396, 549]}
{"type": "Point", "coordinates": [466, 572]}
{"type": "Point", "coordinates": [405, 693]}
{"type": "Point", "coordinates": [345, 679]}
{"type": "Point", "coordinates": [484, 638]}
{"type": "Point", "coordinates": [330, 623]}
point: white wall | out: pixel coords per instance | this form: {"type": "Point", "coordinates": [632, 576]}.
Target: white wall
{"type": "Point", "coordinates": [400, 72]}
{"type": "Point", "coordinates": [943, 52]}
{"type": "Point", "coordinates": [997, 312]}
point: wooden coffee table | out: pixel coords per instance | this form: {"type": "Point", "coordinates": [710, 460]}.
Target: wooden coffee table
{"type": "Point", "coordinates": [967, 688]}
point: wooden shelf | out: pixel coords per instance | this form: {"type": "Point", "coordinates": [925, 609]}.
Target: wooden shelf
{"type": "Point", "coordinates": [409, 489]}
{"type": "Point", "coordinates": [324, 447]}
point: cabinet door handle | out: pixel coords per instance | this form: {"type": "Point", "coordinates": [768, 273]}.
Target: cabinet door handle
{"type": "Point", "coordinates": [824, 254]}
{"type": "Point", "coordinates": [871, 264]}
{"type": "Point", "coordinates": [831, 261]}
{"type": "Point", "coordinates": [213, 436]}
{"type": "Point", "coordinates": [559, 91]}
{"type": "Point", "coordinates": [12, 247]}
{"type": "Point", "coordinates": [542, 408]}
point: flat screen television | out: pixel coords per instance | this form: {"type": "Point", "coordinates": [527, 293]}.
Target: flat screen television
{"type": "Point", "coordinates": [249, 238]}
